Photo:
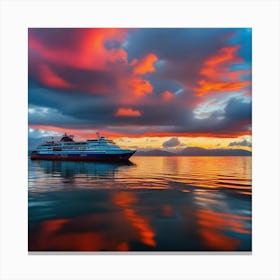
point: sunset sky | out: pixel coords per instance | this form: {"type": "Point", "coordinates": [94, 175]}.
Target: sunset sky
{"type": "Point", "coordinates": [147, 88]}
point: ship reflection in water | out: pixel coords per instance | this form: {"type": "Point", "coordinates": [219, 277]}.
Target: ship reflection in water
{"type": "Point", "coordinates": [152, 204]}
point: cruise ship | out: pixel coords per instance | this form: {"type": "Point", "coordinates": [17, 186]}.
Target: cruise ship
{"type": "Point", "coordinates": [100, 149]}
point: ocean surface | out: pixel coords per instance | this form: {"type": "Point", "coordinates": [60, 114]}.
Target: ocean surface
{"type": "Point", "coordinates": [149, 204]}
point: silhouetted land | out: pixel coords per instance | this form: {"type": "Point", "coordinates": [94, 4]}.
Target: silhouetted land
{"type": "Point", "coordinates": [195, 151]}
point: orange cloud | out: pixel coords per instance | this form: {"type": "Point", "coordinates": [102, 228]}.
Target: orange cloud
{"type": "Point", "coordinates": [140, 87]}
{"type": "Point", "coordinates": [127, 112]}
{"type": "Point", "coordinates": [216, 73]}
{"type": "Point", "coordinates": [226, 54]}
{"type": "Point", "coordinates": [213, 73]}
{"type": "Point", "coordinates": [206, 87]}
{"type": "Point", "coordinates": [236, 74]}
{"type": "Point", "coordinates": [145, 65]}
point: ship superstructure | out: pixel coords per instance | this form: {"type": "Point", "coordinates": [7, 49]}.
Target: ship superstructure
{"type": "Point", "coordinates": [95, 149]}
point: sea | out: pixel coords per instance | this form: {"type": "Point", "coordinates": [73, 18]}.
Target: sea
{"type": "Point", "coordinates": [149, 204]}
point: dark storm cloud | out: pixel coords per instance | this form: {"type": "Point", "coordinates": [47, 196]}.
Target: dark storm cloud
{"type": "Point", "coordinates": [92, 81]}
{"type": "Point", "coordinates": [98, 82]}
{"type": "Point", "coordinates": [81, 107]}
{"type": "Point", "coordinates": [58, 38]}
{"type": "Point", "coordinates": [48, 116]}
{"type": "Point", "coordinates": [175, 43]}
{"type": "Point", "coordinates": [244, 143]}
{"type": "Point", "coordinates": [160, 85]}
{"type": "Point", "coordinates": [98, 112]}
{"type": "Point", "coordinates": [173, 142]}
{"type": "Point", "coordinates": [238, 109]}
{"type": "Point", "coordinates": [100, 109]}
{"type": "Point", "coordinates": [112, 44]}
{"type": "Point", "coordinates": [58, 99]}
{"type": "Point", "coordinates": [236, 117]}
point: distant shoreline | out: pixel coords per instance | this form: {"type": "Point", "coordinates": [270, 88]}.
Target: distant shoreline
{"type": "Point", "coordinates": [196, 151]}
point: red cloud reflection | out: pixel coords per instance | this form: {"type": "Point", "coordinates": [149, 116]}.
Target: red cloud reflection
{"type": "Point", "coordinates": [77, 235]}
{"type": "Point", "coordinates": [212, 227]}
{"type": "Point", "coordinates": [91, 233]}
{"type": "Point", "coordinates": [126, 201]}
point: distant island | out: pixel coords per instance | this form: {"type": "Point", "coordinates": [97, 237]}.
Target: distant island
{"type": "Point", "coordinates": [196, 151]}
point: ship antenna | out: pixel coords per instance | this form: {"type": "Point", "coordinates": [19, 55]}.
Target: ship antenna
{"type": "Point", "coordinates": [98, 135]}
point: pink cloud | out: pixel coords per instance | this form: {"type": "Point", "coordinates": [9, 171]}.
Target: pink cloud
{"type": "Point", "coordinates": [90, 53]}
{"type": "Point", "coordinates": [49, 78]}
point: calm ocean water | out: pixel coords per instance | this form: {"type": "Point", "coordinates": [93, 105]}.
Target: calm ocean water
{"type": "Point", "coordinates": [149, 204]}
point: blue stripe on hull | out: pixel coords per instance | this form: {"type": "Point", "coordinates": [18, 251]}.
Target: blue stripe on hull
{"type": "Point", "coordinates": [79, 157]}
